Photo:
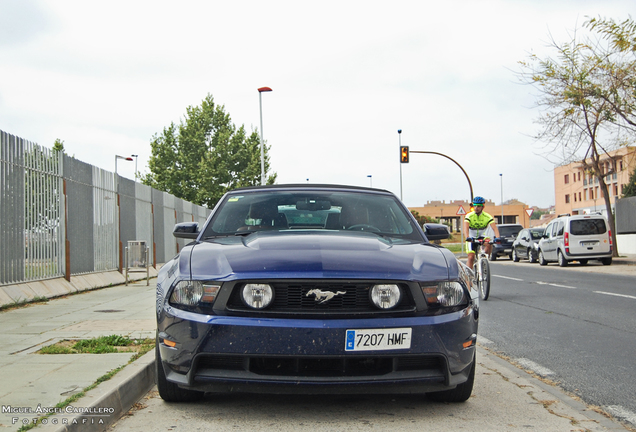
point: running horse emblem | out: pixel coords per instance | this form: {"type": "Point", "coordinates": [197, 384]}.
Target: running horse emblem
{"type": "Point", "coordinates": [324, 296]}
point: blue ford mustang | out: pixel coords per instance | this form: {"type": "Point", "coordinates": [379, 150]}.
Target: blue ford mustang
{"type": "Point", "coordinates": [314, 289]}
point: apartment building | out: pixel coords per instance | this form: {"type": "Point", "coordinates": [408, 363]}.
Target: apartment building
{"type": "Point", "coordinates": [577, 191]}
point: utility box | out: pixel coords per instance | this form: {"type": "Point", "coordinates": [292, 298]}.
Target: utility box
{"type": "Point", "coordinates": [137, 259]}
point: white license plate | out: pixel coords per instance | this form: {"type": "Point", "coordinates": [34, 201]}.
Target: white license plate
{"type": "Point", "coordinates": [378, 339]}
{"type": "Point", "coordinates": [589, 243]}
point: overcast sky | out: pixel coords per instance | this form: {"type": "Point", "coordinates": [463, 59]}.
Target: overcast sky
{"type": "Point", "coordinates": [104, 77]}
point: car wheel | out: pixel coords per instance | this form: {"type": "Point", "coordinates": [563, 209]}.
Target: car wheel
{"type": "Point", "coordinates": [515, 257]}
{"type": "Point", "coordinates": [562, 261]}
{"type": "Point", "coordinates": [168, 391]}
{"type": "Point", "coordinates": [531, 257]}
{"type": "Point", "coordinates": [461, 393]}
{"type": "Point", "coordinates": [542, 260]}
{"type": "Point", "coordinates": [607, 261]}
{"type": "Point", "coordinates": [493, 256]}
{"type": "Point", "coordinates": [583, 261]}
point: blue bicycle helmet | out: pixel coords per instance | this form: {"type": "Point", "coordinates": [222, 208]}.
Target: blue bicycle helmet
{"type": "Point", "coordinates": [479, 200]}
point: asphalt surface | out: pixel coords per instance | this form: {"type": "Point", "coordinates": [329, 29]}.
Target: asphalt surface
{"type": "Point", "coordinates": [572, 325]}
{"type": "Point", "coordinates": [505, 396]}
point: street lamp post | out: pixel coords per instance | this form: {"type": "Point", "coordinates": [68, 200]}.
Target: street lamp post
{"type": "Point", "coordinates": [121, 157]}
{"type": "Point", "coordinates": [135, 156]}
{"type": "Point", "coordinates": [502, 209]}
{"type": "Point", "coordinates": [260, 105]}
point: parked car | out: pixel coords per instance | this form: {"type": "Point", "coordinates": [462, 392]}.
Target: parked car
{"type": "Point", "coordinates": [314, 289]}
{"type": "Point", "coordinates": [526, 245]}
{"type": "Point", "coordinates": [507, 234]}
{"type": "Point", "coordinates": [576, 238]}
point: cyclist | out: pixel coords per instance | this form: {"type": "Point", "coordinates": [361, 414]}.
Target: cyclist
{"type": "Point", "coordinates": [478, 223]}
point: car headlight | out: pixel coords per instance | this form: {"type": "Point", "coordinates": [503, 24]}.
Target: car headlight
{"type": "Point", "coordinates": [194, 293]}
{"type": "Point", "coordinates": [386, 296]}
{"type": "Point", "coordinates": [444, 294]}
{"type": "Point", "coordinates": [257, 296]}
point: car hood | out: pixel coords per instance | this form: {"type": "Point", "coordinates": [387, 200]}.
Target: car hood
{"type": "Point", "coordinates": [285, 255]}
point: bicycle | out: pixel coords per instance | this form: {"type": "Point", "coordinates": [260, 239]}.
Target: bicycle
{"type": "Point", "coordinates": [481, 268]}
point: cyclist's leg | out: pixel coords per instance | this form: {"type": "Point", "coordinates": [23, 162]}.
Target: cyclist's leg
{"type": "Point", "coordinates": [487, 246]}
{"type": "Point", "coordinates": [470, 261]}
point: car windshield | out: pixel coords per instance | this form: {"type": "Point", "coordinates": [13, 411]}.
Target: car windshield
{"type": "Point", "coordinates": [250, 211]}
{"type": "Point", "coordinates": [509, 231]}
{"type": "Point", "coordinates": [536, 235]}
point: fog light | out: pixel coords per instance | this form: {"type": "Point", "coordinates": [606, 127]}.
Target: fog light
{"type": "Point", "coordinates": [385, 296]}
{"type": "Point", "coordinates": [257, 296]}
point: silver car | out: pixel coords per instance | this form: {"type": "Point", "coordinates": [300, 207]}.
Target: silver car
{"type": "Point", "coordinates": [576, 238]}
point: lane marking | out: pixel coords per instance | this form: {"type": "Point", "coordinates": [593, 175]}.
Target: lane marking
{"type": "Point", "coordinates": [614, 294]}
{"type": "Point", "coordinates": [508, 277]}
{"type": "Point", "coordinates": [622, 413]}
{"type": "Point", "coordinates": [554, 285]}
{"type": "Point", "coordinates": [535, 367]}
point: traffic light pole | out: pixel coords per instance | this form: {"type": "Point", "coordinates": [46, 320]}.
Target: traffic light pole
{"type": "Point", "coordinates": [447, 157]}
{"type": "Point", "coordinates": [400, 135]}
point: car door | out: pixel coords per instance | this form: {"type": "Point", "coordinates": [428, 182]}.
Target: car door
{"type": "Point", "coordinates": [521, 243]}
{"type": "Point", "coordinates": [549, 246]}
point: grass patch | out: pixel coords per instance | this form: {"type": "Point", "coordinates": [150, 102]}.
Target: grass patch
{"type": "Point", "coordinates": [453, 247]}
{"type": "Point", "coordinates": [23, 303]}
{"type": "Point", "coordinates": [100, 345]}
{"type": "Point", "coordinates": [143, 347]}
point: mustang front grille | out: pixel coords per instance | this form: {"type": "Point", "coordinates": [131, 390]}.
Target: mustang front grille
{"type": "Point", "coordinates": [301, 298]}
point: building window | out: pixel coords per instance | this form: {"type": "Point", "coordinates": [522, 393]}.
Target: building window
{"type": "Point", "coordinates": [575, 197]}
{"type": "Point", "coordinates": [579, 196]}
{"type": "Point", "coordinates": [566, 179]}
{"type": "Point", "coordinates": [615, 189]}
{"type": "Point", "coordinates": [620, 165]}
{"type": "Point", "coordinates": [579, 175]}
{"type": "Point", "coordinates": [567, 199]}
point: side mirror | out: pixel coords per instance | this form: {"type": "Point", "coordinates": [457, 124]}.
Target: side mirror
{"type": "Point", "coordinates": [435, 231]}
{"type": "Point", "coordinates": [186, 230]}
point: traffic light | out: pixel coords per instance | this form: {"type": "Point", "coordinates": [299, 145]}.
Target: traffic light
{"type": "Point", "coordinates": [404, 154]}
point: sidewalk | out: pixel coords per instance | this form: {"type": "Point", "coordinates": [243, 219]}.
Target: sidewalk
{"type": "Point", "coordinates": [30, 380]}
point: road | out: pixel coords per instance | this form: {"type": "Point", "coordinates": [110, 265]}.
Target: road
{"type": "Point", "coordinates": [570, 325]}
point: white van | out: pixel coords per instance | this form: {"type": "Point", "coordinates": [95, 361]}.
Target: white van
{"type": "Point", "coordinates": [576, 238]}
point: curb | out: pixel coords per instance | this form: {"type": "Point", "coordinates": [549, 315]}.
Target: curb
{"type": "Point", "coordinates": [109, 401]}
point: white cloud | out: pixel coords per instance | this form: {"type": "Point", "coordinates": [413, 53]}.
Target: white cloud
{"type": "Point", "coordinates": [105, 76]}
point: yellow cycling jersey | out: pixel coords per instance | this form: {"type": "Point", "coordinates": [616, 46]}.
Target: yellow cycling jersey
{"type": "Point", "coordinates": [478, 222]}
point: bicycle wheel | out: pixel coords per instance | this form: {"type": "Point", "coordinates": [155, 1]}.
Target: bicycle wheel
{"type": "Point", "coordinates": [484, 279]}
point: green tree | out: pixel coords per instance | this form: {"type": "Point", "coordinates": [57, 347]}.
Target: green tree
{"type": "Point", "coordinates": [205, 156]}
{"type": "Point", "coordinates": [630, 187]}
{"type": "Point", "coordinates": [58, 145]}
{"type": "Point", "coordinates": [580, 102]}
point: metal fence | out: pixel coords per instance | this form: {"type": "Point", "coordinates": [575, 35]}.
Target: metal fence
{"type": "Point", "coordinates": [62, 217]}
{"type": "Point", "coordinates": [626, 216]}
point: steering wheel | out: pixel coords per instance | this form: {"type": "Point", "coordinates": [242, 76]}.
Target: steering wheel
{"type": "Point", "coordinates": [364, 227]}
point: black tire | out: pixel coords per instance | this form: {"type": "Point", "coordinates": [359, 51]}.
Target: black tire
{"type": "Point", "coordinates": [606, 261]}
{"type": "Point", "coordinates": [493, 256]}
{"type": "Point", "coordinates": [562, 261]}
{"type": "Point", "coordinates": [531, 257]}
{"type": "Point", "coordinates": [515, 257]}
{"type": "Point", "coordinates": [583, 262]}
{"type": "Point", "coordinates": [542, 260]}
{"type": "Point", "coordinates": [168, 391]}
{"type": "Point", "coordinates": [461, 393]}
{"type": "Point", "coordinates": [484, 283]}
